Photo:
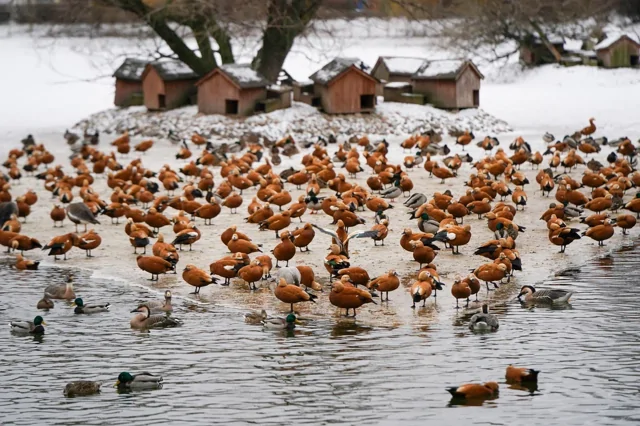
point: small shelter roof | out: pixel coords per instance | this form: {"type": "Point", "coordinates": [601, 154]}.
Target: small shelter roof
{"type": "Point", "coordinates": [131, 69]}
{"type": "Point", "coordinates": [401, 65]}
{"type": "Point", "coordinates": [334, 68]}
{"type": "Point", "coordinates": [610, 40]}
{"type": "Point", "coordinates": [242, 75]}
{"type": "Point", "coordinates": [449, 69]}
{"type": "Point", "coordinates": [172, 70]}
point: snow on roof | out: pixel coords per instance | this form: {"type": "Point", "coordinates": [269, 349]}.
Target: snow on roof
{"type": "Point", "coordinates": [440, 69]}
{"type": "Point", "coordinates": [397, 84]}
{"type": "Point", "coordinates": [611, 39]}
{"type": "Point", "coordinates": [131, 69]}
{"type": "Point", "coordinates": [244, 76]}
{"type": "Point", "coordinates": [174, 70]}
{"type": "Point", "coordinates": [402, 64]}
{"type": "Point", "coordinates": [333, 69]}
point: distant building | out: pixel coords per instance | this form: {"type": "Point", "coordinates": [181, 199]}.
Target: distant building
{"type": "Point", "coordinates": [340, 87]}
{"type": "Point", "coordinates": [618, 51]}
{"type": "Point", "coordinates": [396, 68]}
{"type": "Point", "coordinates": [535, 52]}
{"type": "Point", "coordinates": [129, 82]}
{"type": "Point", "coordinates": [167, 85]}
{"type": "Point", "coordinates": [450, 84]}
{"type": "Point", "coordinates": [237, 89]}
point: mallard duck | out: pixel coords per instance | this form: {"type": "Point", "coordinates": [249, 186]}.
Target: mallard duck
{"type": "Point", "coordinates": [255, 317]}
{"type": "Point", "coordinates": [473, 390]}
{"type": "Point", "coordinates": [159, 306]}
{"type": "Point", "coordinates": [144, 320]}
{"type": "Point", "coordinates": [81, 388]}
{"type": "Point", "coordinates": [287, 323]}
{"type": "Point", "coordinates": [548, 137]}
{"type": "Point", "coordinates": [484, 321]}
{"type": "Point", "coordinates": [393, 192]}
{"type": "Point", "coordinates": [415, 200]}
{"type": "Point", "coordinates": [428, 225]}
{"type": "Point", "coordinates": [28, 327]}
{"type": "Point", "coordinates": [142, 381]}
{"type": "Point", "coordinates": [81, 308]}
{"type": "Point", "coordinates": [544, 296]}
{"type": "Point", "coordinates": [45, 303]}
{"type": "Point", "coordinates": [521, 375]}
{"type": "Point", "coordinates": [61, 291]}
{"type": "Point", "coordinates": [314, 203]}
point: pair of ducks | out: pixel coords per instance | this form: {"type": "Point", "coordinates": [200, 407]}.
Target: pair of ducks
{"type": "Point", "coordinates": [479, 391]}
{"type": "Point", "coordinates": [125, 382]}
{"type": "Point", "coordinates": [287, 323]}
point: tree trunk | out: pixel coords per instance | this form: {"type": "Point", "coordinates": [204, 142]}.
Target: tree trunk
{"type": "Point", "coordinates": [545, 41]}
{"type": "Point", "coordinates": [286, 20]}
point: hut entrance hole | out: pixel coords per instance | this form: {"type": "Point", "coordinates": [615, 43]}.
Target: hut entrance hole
{"type": "Point", "coordinates": [162, 101]}
{"type": "Point", "coordinates": [367, 101]}
{"type": "Point", "coordinates": [476, 98]}
{"type": "Point", "coordinates": [634, 60]}
{"type": "Point", "coordinates": [231, 106]}
{"type": "Point", "coordinates": [316, 102]}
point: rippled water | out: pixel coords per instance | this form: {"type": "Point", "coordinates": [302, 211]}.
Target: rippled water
{"type": "Point", "coordinates": [217, 369]}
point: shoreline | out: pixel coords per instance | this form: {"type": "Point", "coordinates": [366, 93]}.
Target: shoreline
{"type": "Point", "coordinates": [539, 257]}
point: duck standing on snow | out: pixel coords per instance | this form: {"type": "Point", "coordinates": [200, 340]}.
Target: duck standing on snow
{"type": "Point", "coordinates": [393, 192]}
{"type": "Point", "coordinates": [415, 200]}
{"type": "Point", "coordinates": [484, 321]}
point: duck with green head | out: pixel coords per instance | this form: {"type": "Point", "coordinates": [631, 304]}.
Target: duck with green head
{"type": "Point", "coordinates": [140, 381]}
{"type": "Point", "coordinates": [428, 225]}
{"type": "Point", "coordinates": [81, 308]}
{"type": "Point", "coordinates": [29, 327]}
{"type": "Point", "coordinates": [288, 323]}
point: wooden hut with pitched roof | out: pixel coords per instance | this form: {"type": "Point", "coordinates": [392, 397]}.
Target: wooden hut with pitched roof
{"type": "Point", "coordinates": [129, 82]}
{"type": "Point", "coordinates": [237, 89]}
{"type": "Point", "coordinates": [340, 87]}
{"type": "Point", "coordinates": [168, 84]}
{"type": "Point", "coordinates": [450, 84]}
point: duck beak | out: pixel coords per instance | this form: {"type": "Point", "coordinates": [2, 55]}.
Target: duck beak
{"type": "Point", "coordinates": [73, 304]}
{"type": "Point", "coordinates": [44, 323]}
{"type": "Point", "coordinates": [135, 310]}
{"type": "Point", "coordinates": [116, 384]}
{"type": "Point", "coordinates": [297, 322]}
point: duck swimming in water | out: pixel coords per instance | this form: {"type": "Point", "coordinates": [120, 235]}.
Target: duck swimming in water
{"type": "Point", "coordinates": [544, 296]}
{"type": "Point", "coordinates": [484, 321]}
{"type": "Point", "coordinates": [287, 323]}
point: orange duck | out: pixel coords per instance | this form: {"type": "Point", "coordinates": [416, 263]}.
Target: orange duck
{"type": "Point", "coordinates": [625, 221]}
{"type": "Point", "coordinates": [237, 245]}
{"type": "Point", "coordinates": [491, 272]}
{"type": "Point", "coordinates": [296, 210]}
{"type": "Point", "coordinates": [277, 222]}
{"type": "Point", "coordinates": [187, 236]}
{"type": "Point", "coordinates": [233, 201]}
{"type": "Point", "coordinates": [252, 273]}
{"type": "Point", "coordinates": [280, 199]}
{"type": "Point", "coordinates": [385, 283]}
{"type": "Point", "coordinates": [302, 237]}
{"type": "Point", "coordinates": [88, 241]}
{"type": "Point", "coordinates": [474, 391]}
{"type": "Point", "coordinates": [422, 254]}
{"type": "Point", "coordinates": [208, 212]}
{"type": "Point", "coordinates": [460, 290]}
{"type": "Point", "coordinates": [285, 250]}
{"type": "Point", "coordinates": [289, 293]}
{"type": "Point", "coordinates": [139, 238]}
{"type": "Point", "coordinates": [521, 375]}
{"type": "Point", "coordinates": [61, 245]}
{"type": "Point", "coordinates": [345, 296]}
{"type": "Point", "coordinates": [156, 220]}
{"type": "Point", "coordinates": [197, 277]}
{"type": "Point", "coordinates": [24, 243]}
{"type": "Point", "coordinates": [422, 288]}
{"type": "Point", "coordinates": [600, 233]}
{"type": "Point", "coordinates": [24, 264]}
{"type": "Point", "coordinates": [154, 265]}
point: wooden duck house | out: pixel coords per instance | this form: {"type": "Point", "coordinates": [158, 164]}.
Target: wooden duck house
{"type": "Point", "coordinates": [129, 82]}
{"type": "Point", "coordinates": [167, 85]}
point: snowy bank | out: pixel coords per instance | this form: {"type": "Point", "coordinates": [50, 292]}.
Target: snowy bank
{"type": "Point", "coordinates": [301, 120]}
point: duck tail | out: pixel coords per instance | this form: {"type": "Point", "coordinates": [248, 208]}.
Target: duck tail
{"type": "Point", "coordinates": [521, 228]}
{"type": "Point", "coordinates": [416, 297]}
{"type": "Point", "coordinates": [533, 375]}
{"type": "Point", "coordinates": [453, 391]}
{"type": "Point", "coordinates": [312, 297]}
{"type": "Point", "coordinates": [441, 236]}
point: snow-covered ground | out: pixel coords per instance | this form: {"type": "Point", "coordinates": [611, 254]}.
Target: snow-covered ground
{"type": "Point", "coordinates": [49, 85]}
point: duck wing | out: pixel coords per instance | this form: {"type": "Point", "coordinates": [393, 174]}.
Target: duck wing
{"type": "Point", "coordinates": [160, 321]}
{"type": "Point", "coordinates": [330, 233]}
{"type": "Point", "coordinates": [551, 295]}
{"type": "Point", "coordinates": [361, 234]}
{"type": "Point", "coordinates": [21, 326]}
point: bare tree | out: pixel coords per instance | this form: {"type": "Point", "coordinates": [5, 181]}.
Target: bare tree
{"type": "Point", "coordinates": [502, 27]}
{"type": "Point", "coordinates": [213, 24]}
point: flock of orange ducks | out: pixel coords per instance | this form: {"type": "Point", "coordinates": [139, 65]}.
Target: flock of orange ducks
{"type": "Point", "coordinates": [497, 190]}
